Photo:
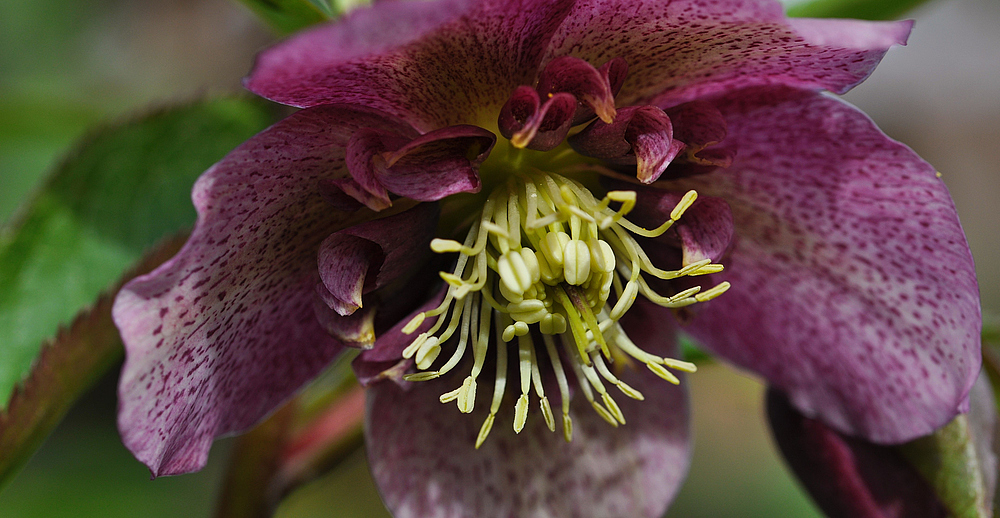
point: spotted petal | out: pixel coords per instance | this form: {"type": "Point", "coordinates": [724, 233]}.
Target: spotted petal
{"type": "Point", "coordinates": [853, 289]}
{"type": "Point", "coordinates": [223, 332]}
{"type": "Point", "coordinates": [433, 63]}
{"type": "Point", "coordinates": [424, 461]}
{"type": "Point", "coordinates": [686, 49]}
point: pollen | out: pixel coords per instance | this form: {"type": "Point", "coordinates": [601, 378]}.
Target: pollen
{"type": "Point", "coordinates": [548, 269]}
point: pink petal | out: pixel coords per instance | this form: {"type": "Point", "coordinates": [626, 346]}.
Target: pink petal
{"type": "Point", "coordinates": [433, 63]}
{"type": "Point", "coordinates": [423, 458]}
{"type": "Point", "coordinates": [853, 289]}
{"type": "Point", "coordinates": [687, 49]}
{"type": "Point", "coordinates": [225, 331]}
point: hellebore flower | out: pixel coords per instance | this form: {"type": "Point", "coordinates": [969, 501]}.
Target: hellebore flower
{"type": "Point", "coordinates": [584, 175]}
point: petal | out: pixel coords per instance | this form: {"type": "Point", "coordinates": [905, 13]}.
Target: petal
{"type": "Point", "coordinates": [853, 289]}
{"type": "Point", "coordinates": [688, 49]}
{"type": "Point", "coordinates": [359, 259]}
{"type": "Point", "coordinates": [699, 124]}
{"type": "Point", "coordinates": [640, 135]}
{"type": "Point", "coordinates": [437, 164]}
{"type": "Point", "coordinates": [433, 63]}
{"type": "Point", "coordinates": [225, 331]}
{"type": "Point", "coordinates": [536, 126]}
{"type": "Point", "coordinates": [423, 458]}
{"type": "Point", "coordinates": [590, 87]}
{"type": "Point", "coordinates": [848, 477]}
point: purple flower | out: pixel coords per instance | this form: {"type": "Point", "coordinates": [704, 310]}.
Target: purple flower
{"type": "Point", "coordinates": [584, 175]}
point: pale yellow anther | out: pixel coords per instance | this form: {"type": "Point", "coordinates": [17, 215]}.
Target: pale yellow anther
{"type": "Point", "coordinates": [686, 201]}
{"type": "Point", "coordinates": [531, 264]}
{"type": "Point", "coordinates": [679, 365]}
{"type": "Point", "coordinates": [520, 413]}
{"type": "Point", "coordinates": [713, 292]}
{"type": "Point", "coordinates": [552, 324]}
{"type": "Point", "coordinates": [708, 269]}
{"type": "Point", "coordinates": [613, 408]}
{"type": "Point", "coordinates": [660, 371]}
{"type": "Point", "coordinates": [576, 262]}
{"type": "Point", "coordinates": [601, 411]}
{"type": "Point", "coordinates": [550, 420]}
{"type": "Point", "coordinates": [513, 272]}
{"type": "Point", "coordinates": [450, 396]}
{"type": "Point", "coordinates": [548, 274]}
{"type": "Point", "coordinates": [629, 391]}
{"type": "Point", "coordinates": [552, 246]}
{"type": "Point", "coordinates": [444, 246]}
{"type": "Point", "coordinates": [427, 353]}
{"type": "Point", "coordinates": [508, 333]}
{"type": "Point", "coordinates": [452, 279]}
{"type": "Point", "coordinates": [529, 311]}
{"type": "Point", "coordinates": [567, 428]}
{"type": "Point", "coordinates": [422, 376]}
{"type": "Point", "coordinates": [415, 345]}
{"type": "Point", "coordinates": [414, 323]}
{"type": "Point", "coordinates": [602, 256]}
{"type": "Point", "coordinates": [484, 431]}
{"type": "Point", "coordinates": [467, 396]}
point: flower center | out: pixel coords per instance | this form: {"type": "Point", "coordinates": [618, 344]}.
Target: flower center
{"type": "Point", "coordinates": [546, 261]}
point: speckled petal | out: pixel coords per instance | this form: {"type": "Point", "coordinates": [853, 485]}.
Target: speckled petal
{"type": "Point", "coordinates": [433, 63]}
{"type": "Point", "coordinates": [853, 289]}
{"type": "Point", "coordinates": [359, 259]}
{"type": "Point", "coordinates": [686, 49]}
{"type": "Point", "coordinates": [424, 461]}
{"type": "Point", "coordinates": [225, 331]}
{"type": "Point", "coordinates": [437, 164]}
{"type": "Point", "coordinates": [849, 477]}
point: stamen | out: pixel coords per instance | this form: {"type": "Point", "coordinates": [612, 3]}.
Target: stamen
{"type": "Point", "coordinates": [547, 259]}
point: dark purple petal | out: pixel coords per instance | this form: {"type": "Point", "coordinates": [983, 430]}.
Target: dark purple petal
{"type": "Point", "coordinates": [362, 258]}
{"type": "Point", "coordinates": [346, 262]}
{"type": "Point", "coordinates": [536, 126]}
{"type": "Point", "coordinates": [640, 135]}
{"type": "Point", "coordinates": [589, 86]}
{"type": "Point", "coordinates": [687, 49]}
{"type": "Point", "coordinates": [437, 164]}
{"type": "Point", "coordinates": [433, 63]}
{"type": "Point", "coordinates": [853, 289]}
{"type": "Point", "coordinates": [848, 477]}
{"type": "Point", "coordinates": [361, 150]}
{"type": "Point", "coordinates": [225, 331]}
{"type": "Point", "coordinates": [423, 458]}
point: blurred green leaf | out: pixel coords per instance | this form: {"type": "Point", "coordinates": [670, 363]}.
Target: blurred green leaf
{"type": "Point", "coordinates": [287, 16]}
{"type": "Point", "coordinates": [862, 9]}
{"type": "Point", "coordinates": [121, 191]}
{"type": "Point", "coordinates": [66, 367]}
{"type": "Point", "coordinates": [949, 460]}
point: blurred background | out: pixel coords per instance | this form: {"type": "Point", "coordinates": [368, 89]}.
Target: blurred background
{"type": "Point", "coordinates": [66, 65]}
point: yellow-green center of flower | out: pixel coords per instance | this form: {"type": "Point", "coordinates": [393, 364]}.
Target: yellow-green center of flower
{"type": "Point", "coordinates": [546, 255]}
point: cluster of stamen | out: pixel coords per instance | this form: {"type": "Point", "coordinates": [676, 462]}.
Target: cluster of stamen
{"type": "Point", "coordinates": [547, 256]}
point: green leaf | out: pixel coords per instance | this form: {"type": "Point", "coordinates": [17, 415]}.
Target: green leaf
{"type": "Point", "coordinates": [121, 191]}
{"type": "Point", "coordinates": [955, 459]}
{"type": "Point", "coordinates": [861, 9]}
{"type": "Point", "coordinates": [78, 355]}
{"type": "Point", "coordinates": [287, 16]}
